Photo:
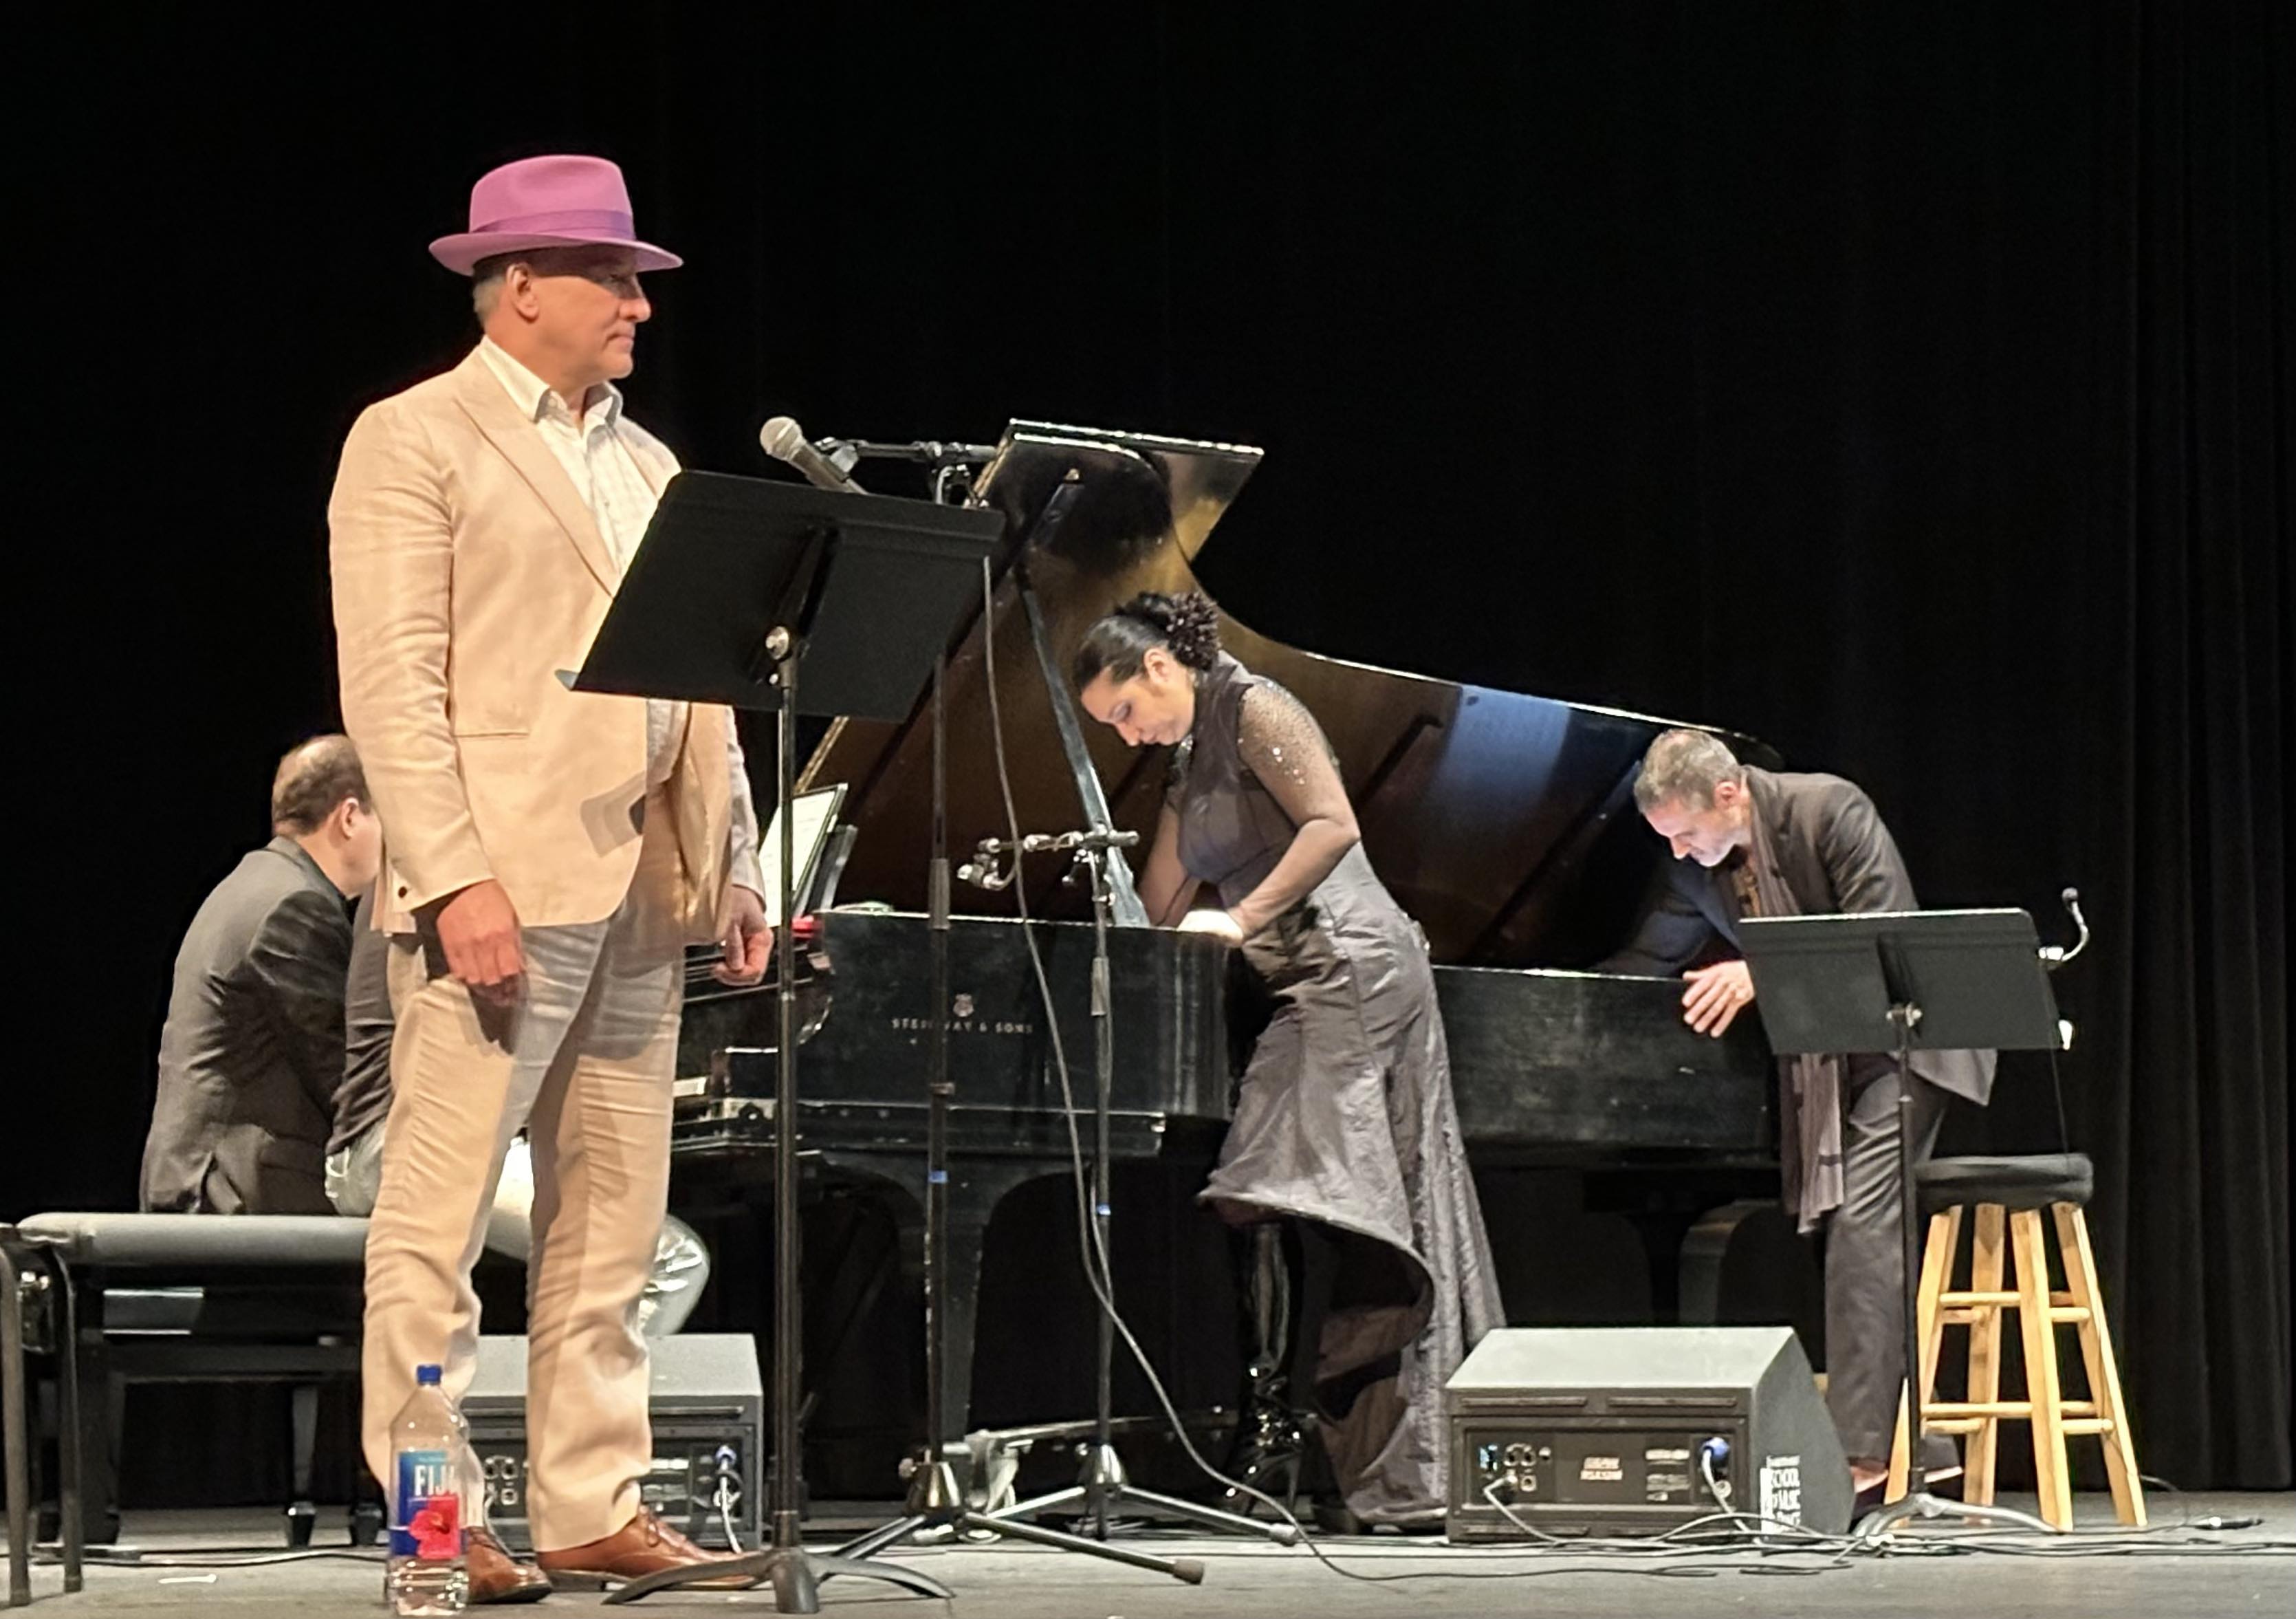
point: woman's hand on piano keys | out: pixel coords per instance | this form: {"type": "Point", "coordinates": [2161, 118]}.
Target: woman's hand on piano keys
{"type": "Point", "coordinates": [1219, 924]}
{"type": "Point", "coordinates": [1715, 995]}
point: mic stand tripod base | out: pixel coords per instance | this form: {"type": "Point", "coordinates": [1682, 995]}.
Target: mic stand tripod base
{"type": "Point", "coordinates": [1102, 1482]}
{"type": "Point", "coordinates": [1921, 1504]}
{"type": "Point", "coordinates": [1102, 1485]}
{"type": "Point", "coordinates": [935, 1501]}
{"type": "Point", "coordinates": [794, 1573]}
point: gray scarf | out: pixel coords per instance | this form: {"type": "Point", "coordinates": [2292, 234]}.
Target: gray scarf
{"type": "Point", "coordinates": [1810, 1087]}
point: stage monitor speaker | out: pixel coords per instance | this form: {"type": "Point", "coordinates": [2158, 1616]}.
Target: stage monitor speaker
{"type": "Point", "coordinates": [1612, 1430]}
{"type": "Point", "coordinates": [707, 1406]}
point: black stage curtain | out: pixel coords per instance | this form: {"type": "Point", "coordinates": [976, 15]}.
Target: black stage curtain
{"type": "Point", "coordinates": [2191, 1124]}
{"type": "Point", "coordinates": [1909, 385]}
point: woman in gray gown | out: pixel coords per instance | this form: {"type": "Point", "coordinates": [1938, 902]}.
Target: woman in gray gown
{"type": "Point", "coordinates": [1344, 1120]}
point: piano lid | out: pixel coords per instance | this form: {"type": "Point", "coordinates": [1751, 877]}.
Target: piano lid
{"type": "Point", "coordinates": [1503, 822]}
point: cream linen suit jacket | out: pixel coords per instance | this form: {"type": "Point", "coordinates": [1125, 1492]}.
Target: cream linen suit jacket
{"type": "Point", "coordinates": [468, 572]}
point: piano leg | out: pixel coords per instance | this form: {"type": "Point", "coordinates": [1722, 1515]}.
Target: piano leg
{"type": "Point", "coordinates": [1103, 1488]}
{"type": "Point", "coordinates": [938, 1497]}
{"type": "Point", "coordinates": [976, 1186]}
{"type": "Point", "coordinates": [1270, 1440]}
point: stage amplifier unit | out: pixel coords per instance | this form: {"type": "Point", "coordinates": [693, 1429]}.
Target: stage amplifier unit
{"type": "Point", "coordinates": [1636, 1430]}
{"type": "Point", "coordinates": [707, 1407]}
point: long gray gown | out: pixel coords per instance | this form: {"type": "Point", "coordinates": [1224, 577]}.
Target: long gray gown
{"type": "Point", "coordinates": [1345, 1115]}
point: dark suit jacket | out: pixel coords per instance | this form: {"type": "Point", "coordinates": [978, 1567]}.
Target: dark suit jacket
{"type": "Point", "coordinates": [363, 1102]}
{"type": "Point", "coordinates": [253, 1048]}
{"type": "Point", "coordinates": [1835, 855]}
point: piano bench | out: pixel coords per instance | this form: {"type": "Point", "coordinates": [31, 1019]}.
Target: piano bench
{"type": "Point", "coordinates": [191, 1298]}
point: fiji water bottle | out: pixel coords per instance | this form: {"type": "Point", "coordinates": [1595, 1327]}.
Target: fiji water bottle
{"type": "Point", "coordinates": [426, 1571]}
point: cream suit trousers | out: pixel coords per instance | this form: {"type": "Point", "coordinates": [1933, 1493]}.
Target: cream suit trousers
{"type": "Point", "coordinates": [584, 1060]}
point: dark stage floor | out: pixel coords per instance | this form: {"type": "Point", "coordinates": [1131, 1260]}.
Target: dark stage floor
{"type": "Point", "coordinates": [2182, 1571]}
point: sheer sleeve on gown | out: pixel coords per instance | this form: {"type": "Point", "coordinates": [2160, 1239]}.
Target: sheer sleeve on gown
{"type": "Point", "coordinates": [1279, 741]}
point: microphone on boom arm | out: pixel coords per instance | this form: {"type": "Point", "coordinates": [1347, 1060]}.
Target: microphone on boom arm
{"type": "Point", "coordinates": [785, 442]}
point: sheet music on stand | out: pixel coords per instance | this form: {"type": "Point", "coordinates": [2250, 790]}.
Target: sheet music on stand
{"type": "Point", "coordinates": [816, 815]}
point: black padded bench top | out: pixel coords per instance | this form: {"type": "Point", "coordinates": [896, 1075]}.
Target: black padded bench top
{"type": "Point", "coordinates": [202, 1242]}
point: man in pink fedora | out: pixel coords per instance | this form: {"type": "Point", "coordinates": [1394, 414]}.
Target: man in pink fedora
{"type": "Point", "coordinates": [548, 853]}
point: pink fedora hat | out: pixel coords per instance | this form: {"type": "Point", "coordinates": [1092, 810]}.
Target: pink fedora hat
{"type": "Point", "coordinates": [556, 202]}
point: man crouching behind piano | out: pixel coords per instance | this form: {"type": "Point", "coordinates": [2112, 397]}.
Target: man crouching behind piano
{"type": "Point", "coordinates": [548, 853]}
{"type": "Point", "coordinates": [1750, 842]}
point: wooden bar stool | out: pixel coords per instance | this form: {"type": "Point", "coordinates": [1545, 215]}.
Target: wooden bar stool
{"type": "Point", "coordinates": [2011, 1193]}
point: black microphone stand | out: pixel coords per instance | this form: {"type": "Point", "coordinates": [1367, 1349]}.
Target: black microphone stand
{"type": "Point", "coordinates": [934, 1500]}
{"type": "Point", "coordinates": [1101, 1483]}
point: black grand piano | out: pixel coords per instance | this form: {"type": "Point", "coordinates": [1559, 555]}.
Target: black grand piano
{"type": "Point", "coordinates": [1504, 823]}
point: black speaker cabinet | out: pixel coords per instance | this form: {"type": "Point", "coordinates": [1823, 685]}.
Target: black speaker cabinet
{"type": "Point", "coordinates": [707, 1407]}
{"type": "Point", "coordinates": [1636, 1430]}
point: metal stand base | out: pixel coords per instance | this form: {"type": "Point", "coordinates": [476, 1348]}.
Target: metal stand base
{"type": "Point", "coordinates": [1921, 1504]}
{"type": "Point", "coordinates": [1102, 1486]}
{"type": "Point", "coordinates": [936, 1502]}
{"type": "Point", "coordinates": [796, 1575]}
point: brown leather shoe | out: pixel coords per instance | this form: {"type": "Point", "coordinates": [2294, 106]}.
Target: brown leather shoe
{"type": "Point", "coordinates": [496, 1576]}
{"type": "Point", "coordinates": [643, 1546]}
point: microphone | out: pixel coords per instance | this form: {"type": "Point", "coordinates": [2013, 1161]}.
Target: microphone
{"type": "Point", "coordinates": [2055, 956]}
{"type": "Point", "coordinates": [784, 440]}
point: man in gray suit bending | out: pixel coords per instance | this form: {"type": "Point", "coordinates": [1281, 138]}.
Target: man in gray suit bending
{"type": "Point", "coordinates": [253, 1047]}
{"type": "Point", "coordinates": [1750, 842]}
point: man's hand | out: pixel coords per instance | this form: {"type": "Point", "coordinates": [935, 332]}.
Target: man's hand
{"type": "Point", "coordinates": [747, 941]}
{"type": "Point", "coordinates": [1219, 924]}
{"type": "Point", "coordinates": [477, 928]}
{"type": "Point", "coordinates": [1715, 995]}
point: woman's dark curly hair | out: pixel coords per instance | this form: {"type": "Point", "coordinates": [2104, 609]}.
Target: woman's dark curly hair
{"type": "Point", "coordinates": [1187, 625]}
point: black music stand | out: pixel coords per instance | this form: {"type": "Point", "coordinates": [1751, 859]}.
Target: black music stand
{"type": "Point", "coordinates": [1898, 982]}
{"type": "Point", "coordinates": [739, 586]}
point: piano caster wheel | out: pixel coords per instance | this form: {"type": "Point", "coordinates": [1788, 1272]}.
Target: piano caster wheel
{"type": "Point", "coordinates": [1277, 1477]}
{"type": "Point", "coordinates": [302, 1518]}
{"type": "Point", "coordinates": [366, 1524]}
{"type": "Point", "coordinates": [1270, 1447]}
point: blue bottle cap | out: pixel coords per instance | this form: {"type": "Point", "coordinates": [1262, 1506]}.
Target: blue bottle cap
{"type": "Point", "coordinates": [427, 1376]}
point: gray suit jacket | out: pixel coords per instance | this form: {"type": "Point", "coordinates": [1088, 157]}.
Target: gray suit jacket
{"type": "Point", "coordinates": [1835, 855]}
{"type": "Point", "coordinates": [253, 1047]}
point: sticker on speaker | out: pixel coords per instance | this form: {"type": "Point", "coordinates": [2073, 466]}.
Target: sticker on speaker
{"type": "Point", "coordinates": [1782, 1489]}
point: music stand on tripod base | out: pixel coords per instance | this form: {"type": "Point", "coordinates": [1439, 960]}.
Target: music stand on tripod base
{"type": "Point", "coordinates": [738, 588]}
{"type": "Point", "coordinates": [1897, 982]}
